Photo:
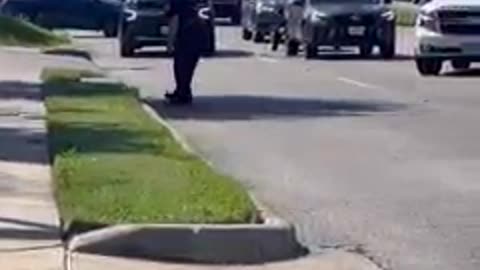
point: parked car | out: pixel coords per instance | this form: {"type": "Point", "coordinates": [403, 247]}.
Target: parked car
{"type": "Point", "coordinates": [260, 18]}
{"type": "Point", "coordinates": [229, 9]}
{"type": "Point", "coordinates": [76, 14]}
{"type": "Point", "coordinates": [144, 23]}
{"type": "Point", "coordinates": [447, 31]}
{"type": "Point", "coordinates": [361, 23]}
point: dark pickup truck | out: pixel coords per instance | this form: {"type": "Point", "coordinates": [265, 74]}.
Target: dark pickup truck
{"type": "Point", "coordinates": [144, 23]}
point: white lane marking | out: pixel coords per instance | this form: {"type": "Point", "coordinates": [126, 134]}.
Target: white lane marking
{"type": "Point", "coordinates": [358, 83]}
{"type": "Point", "coordinates": [267, 59]}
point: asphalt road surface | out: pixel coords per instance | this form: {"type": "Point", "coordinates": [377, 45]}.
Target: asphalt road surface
{"type": "Point", "coordinates": [356, 153]}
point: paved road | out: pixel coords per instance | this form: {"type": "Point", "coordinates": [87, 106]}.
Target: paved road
{"type": "Point", "coordinates": [354, 152]}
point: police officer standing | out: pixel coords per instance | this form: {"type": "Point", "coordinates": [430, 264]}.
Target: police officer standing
{"type": "Point", "coordinates": [190, 41]}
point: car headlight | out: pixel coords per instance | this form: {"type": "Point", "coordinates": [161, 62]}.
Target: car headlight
{"type": "Point", "coordinates": [265, 7]}
{"type": "Point", "coordinates": [388, 15]}
{"type": "Point", "coordinates": [429, 21]}
{"type": "Point", "coordinates": [318, 17]}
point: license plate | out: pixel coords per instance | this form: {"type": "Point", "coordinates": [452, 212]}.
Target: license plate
{"type": "Point", "coordinates": [164, 30]}
{"type": "Point", "coordinates": [356, 30]}
{"type": "Point", "coordinates": [471, 47]}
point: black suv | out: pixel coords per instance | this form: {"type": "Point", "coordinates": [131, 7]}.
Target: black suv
{"type": "Point", "coordinates": [145, 23]}
{"type": "Point", "coordinates": [79, 14]}
{"type": "Point", "coordinates": [362, 23]}
{"type": "Point", "coordinates": [260, 18]}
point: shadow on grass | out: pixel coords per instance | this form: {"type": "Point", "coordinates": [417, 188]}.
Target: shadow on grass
{"type": "Point", "coordinates": [243, 107]}
{"type": "Point", "coordinates": [100, 130]}
{"type": "Point", "coordinates": [87, 89]}
{"type": "Point", "coordinates": [102, 138]}
{"type": "Point", "coordinates": [72, 52]}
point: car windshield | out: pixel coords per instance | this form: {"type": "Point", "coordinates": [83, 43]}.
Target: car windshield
{"type": "Point", "coordinates": [347, 1]}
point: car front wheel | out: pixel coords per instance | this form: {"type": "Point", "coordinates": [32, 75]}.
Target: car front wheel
{"type": "Point", "coordinates": [292, 47]}
{"type": "Point", "coordinates": [429, 66]}
{"type": "Point", "coordinates": [127, 46]}
{"type": "Point", "coordinates": [387, 45]}
{"type": "Point", "coordinates": [366, 50]}
{"type": "Point", "coordinates": [110, 29]}
{"type": "Point", "coordinates": [311, 51]}
{"type": "Point", "coordinates": [246, 34]}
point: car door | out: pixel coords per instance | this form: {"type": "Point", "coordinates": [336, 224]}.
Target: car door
{"type": "Point", "coordinates": [80, 14]}
{"type": "Point", "coordinates": [294, 15]}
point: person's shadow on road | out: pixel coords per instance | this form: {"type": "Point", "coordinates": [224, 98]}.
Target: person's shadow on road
{"type": "Point", "coordinates": [245, 107]}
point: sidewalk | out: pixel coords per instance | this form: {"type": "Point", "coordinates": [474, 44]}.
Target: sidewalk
{"type": "Point", "coordinates": [29, 234]}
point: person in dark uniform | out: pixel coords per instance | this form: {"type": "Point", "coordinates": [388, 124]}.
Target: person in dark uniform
{"type": "Point", "coordinates": [189, 42]}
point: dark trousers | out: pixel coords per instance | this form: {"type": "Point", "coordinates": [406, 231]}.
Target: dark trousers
{"type": "Point", "coordinates": [184, 63]}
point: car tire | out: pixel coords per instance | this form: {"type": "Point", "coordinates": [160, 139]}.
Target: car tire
{"type": "Point", "coordinates": [388, 45]}
{"type": "Point", "coordinates": [275, 40]}
{"type": "Point", "coordinates": [311, 51]}
{"type": "Point", "coordinates": [460, 64]}
{"type": "Point", "coordinates": [127, 49]}
{"type": "Point", "coordinates": [259, 37]}
{"type": "Point", "coordinates": [211, 47]}
{"type": "Point", "coordinates": [127, 46]}
{"type": "Point", "coordinates": [366, 50]}
{"type": "Point", "coordinates": [292, 47]}
{"type": "Point", "coordinates": [429, 66]}
{"type": "Point", "coordinates": [387, 50]}
{"type": "Point", "coordinates": [236, 16]}
{"type": "Point", "coordinates": [247, 34]}
{"type": "Point", "coordinates": [110, 29]}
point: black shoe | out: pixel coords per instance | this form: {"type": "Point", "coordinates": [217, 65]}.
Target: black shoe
{"type": "Point", "coordinates": [176, 99]}
{"type": "Point", "coordinates": [169, 95]}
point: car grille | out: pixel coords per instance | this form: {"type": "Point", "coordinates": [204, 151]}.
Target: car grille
{"type": "Point", "coordinates": [354, 19]}
{"type": "Point", "coordinates": [460, 22]}
{"type": "Point", "coordinates": [152, 4]}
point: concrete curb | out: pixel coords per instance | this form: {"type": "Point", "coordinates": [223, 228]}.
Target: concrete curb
{"type": "Point", "coordinates": [272, 240]}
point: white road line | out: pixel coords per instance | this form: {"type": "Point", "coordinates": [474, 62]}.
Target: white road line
{"type": "Point", "coordinates": [268, 59]}
{"type": "Point", "coordinates": [358, 83]}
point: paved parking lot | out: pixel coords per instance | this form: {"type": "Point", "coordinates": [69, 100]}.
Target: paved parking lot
{"type": "Point", "coordinates": [354, 152]}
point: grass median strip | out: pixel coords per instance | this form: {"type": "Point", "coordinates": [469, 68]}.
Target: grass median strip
{"type": "Point", "coordinates": [113, 164]}
{"type": "Point", "coordinates": [17, 32]}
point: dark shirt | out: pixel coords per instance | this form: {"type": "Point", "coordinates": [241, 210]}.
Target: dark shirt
{"type": "Point", "coordinates": [191, 29]}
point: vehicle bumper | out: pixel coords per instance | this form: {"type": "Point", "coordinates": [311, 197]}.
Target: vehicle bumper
{"type": "Point", "coordinates": [148, 29]}
{"type": "Point", "coordinates": [437, 45]}
{"type": "Point", "coordinates": [340, 35]}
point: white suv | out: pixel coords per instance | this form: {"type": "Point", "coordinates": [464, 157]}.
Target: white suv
{"type": "Point", "coordinates": [447, 30]}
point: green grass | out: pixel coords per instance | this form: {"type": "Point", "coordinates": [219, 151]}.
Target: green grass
{"type": "Point", "coordinates": [16, 32]}
{"type": "Point", "coordinates": [113, 164]}
{"type": "Point", "coordinates": [406, 15]}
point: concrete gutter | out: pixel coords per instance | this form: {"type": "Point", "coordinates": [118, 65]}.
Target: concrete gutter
{"type": "Point", "coordinates": [272, 240]}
